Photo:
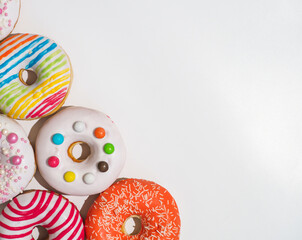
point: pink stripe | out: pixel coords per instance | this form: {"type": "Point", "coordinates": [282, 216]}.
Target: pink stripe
{"type": "Point", "coordinates": [38, 222]}
{"type": "Point", "coordinates": [32, 114]}
{"type": "Point", "coordinates": [73, 227]}
{"type": "Point", "coordinates": [28, 205]}
{"type": "Point", "coordinates": [55, 219]}
{"type": "Point", "coordinates": [32, 214]}
{"type": "Point", "coordinates": [54, 105]}
{"type": "Point", "coordinates": [63, 233]}
{"type": "Point", "coordinates": [44, 109]}
{"type": "Point", "coordinates": [50, 231]}
{"type": "Point", "coordinates": [16, 236]}
{"type": "Point", "coordinates": [80, 224]}
{"type": "Point", "coordinates": [37, 208]}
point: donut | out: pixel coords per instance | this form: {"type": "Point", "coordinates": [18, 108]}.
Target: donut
{"type": "Point", "coordinates": [9, 14]}
{"type": "Point", "coordinates": [17, 161]}
{"type": "Point", "coordinates": [90, 131]}
{"type": "Point", "coordinates": [35, 76]}
{"type": "Point", "coordinates": [148, 205]}
{"type": "Point", "coordinates": [35, 208]}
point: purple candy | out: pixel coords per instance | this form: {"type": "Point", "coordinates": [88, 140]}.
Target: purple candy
{"type": "Point", "coordinates": [12, 138]}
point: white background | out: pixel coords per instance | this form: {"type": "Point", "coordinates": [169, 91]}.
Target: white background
{"type": "Point", "coordinates": [208, 98]}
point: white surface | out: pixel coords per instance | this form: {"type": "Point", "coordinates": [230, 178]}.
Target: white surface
{"type": "Point", "coordinates": [207, 95]}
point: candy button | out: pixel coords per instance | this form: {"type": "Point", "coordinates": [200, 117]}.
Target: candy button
{"type": "Point", "coordinates": [16, 160]}
{"type": "Point", "coordinates": [89, 178]}
{"type": "Point", "coordinates": [4, 132]}
{"type": "Point", "coordinates": [53, 161]}
{"type": "Point", "coordinates": [108, 148]}
{"type": "Point", "coordinates": [69, 176]}
{"type": "Point", "coordinates": [12, 138]}
{"type": "Point", "coordinates": [99, 132]}
{"type": "Point", "coordinates": [79, 126]}
{"type": "Point", "coordinates": [103, 166]}
{"type": "Point", "coordinates": [57, 138]}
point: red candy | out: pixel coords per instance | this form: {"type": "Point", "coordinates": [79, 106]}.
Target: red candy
{"type": "Point", "coordinates": [53, 161]}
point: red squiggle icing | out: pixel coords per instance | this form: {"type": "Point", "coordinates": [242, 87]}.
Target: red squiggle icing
{"type": "Point", "coordinates": [28, 205]}
{"type": "Point", "coordinates": [54, 212]}
{"type": "Point", "coordinates": [55, 103]}
{"type": "Point", "coordinates": [52, 100]}
{"type": "Point", "coordinates": [36, 223]}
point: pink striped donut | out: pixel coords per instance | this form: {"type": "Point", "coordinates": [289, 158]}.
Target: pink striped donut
{"type": "Point", "coordinates": [41, 208]}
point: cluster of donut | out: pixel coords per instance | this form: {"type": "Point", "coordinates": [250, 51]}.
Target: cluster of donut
{"type": "Point", "coordinates": [35, 78]}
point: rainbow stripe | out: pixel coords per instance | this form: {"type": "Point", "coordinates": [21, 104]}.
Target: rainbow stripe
{"type": "Point", "coordinates": [53, 69]}
{"type": "Point", "coordinates": [52, 211]}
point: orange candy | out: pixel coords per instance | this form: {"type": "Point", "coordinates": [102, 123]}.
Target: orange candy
{"type": "Point", "coordinates": [99, 132]}
{"type": "Point", "coordinates": [142, 200]}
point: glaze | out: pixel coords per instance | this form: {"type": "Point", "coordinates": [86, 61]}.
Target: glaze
{"type": "Point", "coordinates": [144, 200]}
{"type": "Point", "coordinates": [9, 14]}
{"type": "Point", "coordinates": [54, 151]}
{"type": "Point", "coordinates": [55, 213]}
{"type": "Point", "coordinates": [49, 76]}
{"type": "Point", "coordinates": [17, 161]}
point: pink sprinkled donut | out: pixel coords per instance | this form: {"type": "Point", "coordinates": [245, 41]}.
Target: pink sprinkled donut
{"type": "Point", "coordinates": [17, 160]}
{"type": "Point", "coordinates": [9, 14]}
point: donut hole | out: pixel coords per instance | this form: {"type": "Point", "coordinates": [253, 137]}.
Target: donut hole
{"type": "Point", "coordinates": [79, 151]}
{"type": "Point", "coordinates": [132, 225]}
{"type": "Point", "coordinates": [39, 233]}
{"type": "Point", "coordinates": [28, 77]}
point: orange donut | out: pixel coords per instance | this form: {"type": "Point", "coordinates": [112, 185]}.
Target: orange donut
{"type": "Point", "coordinates": [150, 206]}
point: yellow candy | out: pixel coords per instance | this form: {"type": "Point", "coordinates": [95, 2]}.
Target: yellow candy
{"type": "Point", "coordinates": [69, 176]}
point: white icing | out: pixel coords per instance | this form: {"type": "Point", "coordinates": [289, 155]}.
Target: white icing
{"type": "Point", "coordinates": [63, 123]}
{"type": "Point", "coordinates": [14, 178]}
{"type": "Point", "coordinates": [56, 222]}
{"type": "Point", "coordinates": [9, 14]}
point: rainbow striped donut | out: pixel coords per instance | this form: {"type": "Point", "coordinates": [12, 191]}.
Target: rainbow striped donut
{"type": "Point", "coordinates": [50, 210]}
{"type": "Point", "coordinates": [45, 88]}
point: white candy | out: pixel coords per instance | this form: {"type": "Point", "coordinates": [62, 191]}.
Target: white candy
{"type": "Point", "coordinates": [4, 132]}
{"type": "Point", "coordinates": [79, 126]}
{"type": "Point", "coordinates": [89, 178]}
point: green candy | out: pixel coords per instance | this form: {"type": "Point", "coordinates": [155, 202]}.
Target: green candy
{"type": "Point", "coordinates": [108, 148]}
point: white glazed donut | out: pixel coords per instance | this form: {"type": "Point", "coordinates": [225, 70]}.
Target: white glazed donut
{"type": "Point", "coordinates": [55, 213]}
{"type": "Point", "coordinates": [9, 14]}
{"type": "Point", "coordinates": [57, 163]}
{"type": "Point", "coordinates": [17, 161]}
